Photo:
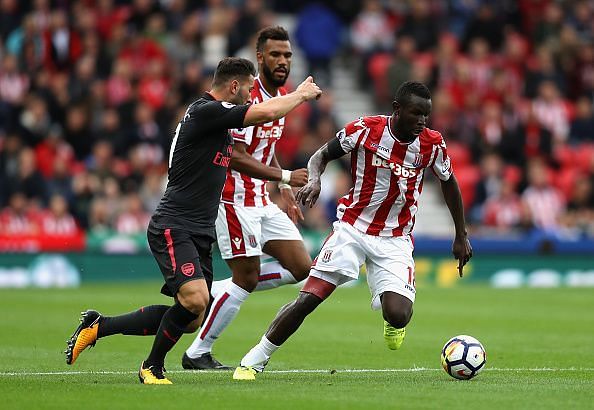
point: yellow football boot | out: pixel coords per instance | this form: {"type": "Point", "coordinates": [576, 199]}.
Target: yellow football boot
{"type": "Point", "coordinates": [244, 373]}
{"type": "Point", "coordinates": [393, 337]}
{"type": "Point", "coordinates": [84, 336]}
{"type": "Point", "coordinates": [152, 375]}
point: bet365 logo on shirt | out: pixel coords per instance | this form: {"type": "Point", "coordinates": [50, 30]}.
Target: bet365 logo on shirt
{"type": "Point", "coordinates": [397, 169]}
{"type": "Point", "coordinates": [273, 132]}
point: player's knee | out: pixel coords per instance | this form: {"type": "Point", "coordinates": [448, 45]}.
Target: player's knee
{"type": "Point", "coordinates": [397, 317]}
{"type": "Point", "coordinates": [247, 279]}
{"type": "Point", "coordinates": [193, 325]}
{"type": "Point", "coordinates": [195, 302]}
{"type": "Point", "coordinates": [302, 270]}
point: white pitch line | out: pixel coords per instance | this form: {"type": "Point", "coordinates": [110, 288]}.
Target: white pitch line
{"type": "Point", "coordinates": [314, 371]}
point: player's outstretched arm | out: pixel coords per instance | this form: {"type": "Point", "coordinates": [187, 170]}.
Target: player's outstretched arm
{"type": "Point", "coordinates": [453, 198]}
{"type": "Point", "coordinates": [308, 195]}
{"type": "Point", "coordinates": [278, 107]}
{"type": "Point", "coordinates": [243, 162]}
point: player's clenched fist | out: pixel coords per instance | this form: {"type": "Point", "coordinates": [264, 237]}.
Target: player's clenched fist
{"type": "Point", "coordinates": [298, 177]}
{"type": "Point", "coordinates": [309, 89]}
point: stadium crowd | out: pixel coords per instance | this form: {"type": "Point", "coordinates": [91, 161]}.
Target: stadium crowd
{"type": "Point", "coordinates": [91, 91]}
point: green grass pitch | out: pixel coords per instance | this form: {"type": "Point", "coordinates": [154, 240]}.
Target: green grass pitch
{"type": "Point", "coordinates": [539, 343]}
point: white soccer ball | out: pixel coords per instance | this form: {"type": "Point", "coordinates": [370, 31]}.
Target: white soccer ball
{"type": "Point", "coordinates": [463, 357]}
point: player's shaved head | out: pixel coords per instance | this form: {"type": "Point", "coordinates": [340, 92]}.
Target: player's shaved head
{"type": "Point", "coordinates": [230, 68]}
{"type": "Point", "coordinates": [410, 88]}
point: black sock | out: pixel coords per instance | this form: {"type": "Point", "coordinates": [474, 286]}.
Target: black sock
{"type": "Point", "coordinates": [141, 322]}
{"type": "Point", "coordinates": [172, 326]}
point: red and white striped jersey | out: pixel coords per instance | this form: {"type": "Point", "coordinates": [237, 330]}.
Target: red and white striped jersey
{"type": "Point", "coordinates": [387, 175]}
{"type": "Point", "coordinates": [239, 188]}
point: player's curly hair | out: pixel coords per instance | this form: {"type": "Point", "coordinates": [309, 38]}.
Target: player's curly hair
{"type": "Point", "coordinates": [409, 88]}
{"type": "Point", "coordinates": [271, 33]}
{"type": "Point", "coordinates": [232, 67]}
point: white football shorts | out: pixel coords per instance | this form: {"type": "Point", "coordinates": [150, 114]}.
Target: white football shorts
{"type": "Point", "coordinates": [243, 231]}
{"type": "Point", "coordinates": [389, 261]}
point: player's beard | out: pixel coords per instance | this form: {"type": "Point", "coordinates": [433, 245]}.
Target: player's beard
{"type": "Point", "coordinates": [270, 77]}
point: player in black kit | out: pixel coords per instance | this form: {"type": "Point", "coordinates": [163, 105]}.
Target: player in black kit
{"type": "Point", "coordinates": [182, 228]}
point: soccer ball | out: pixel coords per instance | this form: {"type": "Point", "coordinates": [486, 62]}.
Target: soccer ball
{"type": "Point", "coordinates": [463, 357]}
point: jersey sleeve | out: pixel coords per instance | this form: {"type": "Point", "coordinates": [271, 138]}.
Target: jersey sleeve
{"type": "Point", "coordinates": [442, 165]}
{"type": "Point", "coordinates": [222, 115]}
{"type": "Point", "coordinates": [350, 136]}
{"type": "Point", "coordinates": [242, 134]}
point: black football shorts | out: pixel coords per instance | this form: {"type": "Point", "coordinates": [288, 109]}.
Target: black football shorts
{"type": "Point", "coordinates": [181, 256]}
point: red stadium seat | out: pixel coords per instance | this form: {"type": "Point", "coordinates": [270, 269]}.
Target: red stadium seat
{"type": "Point", "coordinates": [467, 176]}
{"type": "Point", "coordinates": [459, 153]}
{"type": "Point", "coordinates": [378, 65]}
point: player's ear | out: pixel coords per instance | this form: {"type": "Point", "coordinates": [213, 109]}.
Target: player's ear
{"type": "Point", "coordinates": [260, 57]}
{"type": "Point", "coordinates": [396, 107]}
{"type": "Point", "coordinates": [235, 86]}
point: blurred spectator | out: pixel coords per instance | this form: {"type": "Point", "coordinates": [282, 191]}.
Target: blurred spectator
{"type": "Point", "coordinates": [544, 203]}
{"type": "Point", "coordinates": [551, 111]}
{"type": "Point", "coordinates": [34, 120]}
{"type": "Point", "coordinates": [371, 32]}
{"type": "Point", "coordinates": [580, 207]}
{"type": "Point", "coordinates": [28, 180]}
{"type": "Point", "coordinates": [84, 186]}
{"type": "Point", "coordinates": [56, 220]}
{"type": "Point", "coordinates": [214, 40]}
{"type": "Point", "coordinates": [549, 26]}
{"type": "Point", "coordinates": [489, 185]}
{"type": "Point", "coordinates": [51, 150]}
{"type": "Point", "coordinates": [152, 190]}
{"type": "Point", "coordinates": [77, 132]}
{"type": "Point", "coordinates": [61, 44]}
{"type": "Point", "coordinates": [247, 23]}
{"type": "Point", "coordinates": [484, 25]}
{"type": "Point", "coordinates": [505, 210]}
{"type": "Point", "coordinates": [420, 25]}
{"type": "Point", "coordinates": [543, 68]}
{"type": "Point", "coordinates": [13, 89]}
{"type": "Point", "coordinates": [318, 33]}
{"type": "Point", "coordinates": [10, 16]}
{"type": "Point", "coordinates": [183, 46]}
{"type": "Point", "coordinates": [61, 181]}
{"type": "Point", "coordinates": [398, 71]}
{"type": "Point", "coordinates": [99, 220]}
{"type": "Point", "coordinates": [134, 219]}
{"type": "Point", "coordinates": [147, 134]}
{"type": "Point", "coordinates": [582, 126]}
{"type": "Point", "coordinates": [154, 85]}
{"type": "Point", "coordinates": [113, 130]}
{"type": "Point", "coordinates": [19, 217]}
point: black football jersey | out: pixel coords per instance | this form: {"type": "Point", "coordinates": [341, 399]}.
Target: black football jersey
{"type": "Point", "coordinates": [199, 156]}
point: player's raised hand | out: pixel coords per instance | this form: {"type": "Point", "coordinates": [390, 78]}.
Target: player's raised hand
{"type": "Point", "coordinates": [309, 89]}
{"type": "Point", "coordinates": [308, 195]}
{"type": "Point", "coordinates": [298, 177]}
{"type": "Point", "coordinates": [462, 251]}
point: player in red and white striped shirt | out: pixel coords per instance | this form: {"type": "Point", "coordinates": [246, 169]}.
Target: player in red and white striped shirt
{"type": "Point", "coordinates": [249, 223]}
{"type": "Point", "coordinates": [389, 156]}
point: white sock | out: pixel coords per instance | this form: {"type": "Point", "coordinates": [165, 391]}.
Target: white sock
{"type": "Point", "coordinates": [259, 355]}
{"type": "Point", "coordinates": [224, 309]}
{"type": "Point", "coordinates": [273, 275]}
{"type": "Point", "coordinates": [219, 286]}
